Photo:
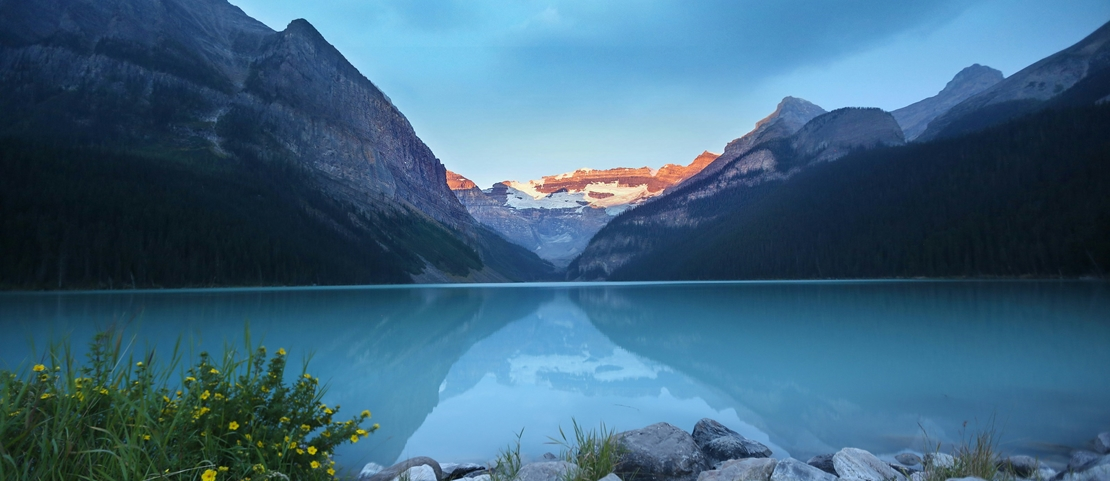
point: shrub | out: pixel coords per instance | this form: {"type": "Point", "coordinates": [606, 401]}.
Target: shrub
{"type": "Point", "coordinates": [121, 418]}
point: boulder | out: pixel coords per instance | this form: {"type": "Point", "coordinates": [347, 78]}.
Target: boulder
{"type": "Point", "coordinates": [480, 477]}
{"type": "Point", "coordinates": [969, 478]}
{"type": "Point", "coordinates": [748, 469]}
{"type": "Point", "coordinates": [369, 470]}
{"type": "Point", "coordinates": [1082, 459]}
{"type": "Point", "coordinates": [546, 471]}
{"type": "Point", "coordinates": [1097, 473]}
{"type": "Point", "coordinates": [610, 477]}
{"type": "Point", "coordinates": [660, 452]}
{"type": "Point", "coordinates": [476, 474]}
{"type": "Point", "coordinates": [859, 465]}
{"type": "Point", "coordinates": [905, 470]}
{"type": "Point", "coordinates": [455, 470]}
{"type": "Point", "coordinates": [720, 443]}
{"type": "Point", "coordinates": [1021, 466]}
{"type": "Point", "coordinates": [394, 471]}
{"type": "Point", "coordinates": [918, 476]}
{"type": "Point", "coordinates": [908, 459]}
{"type": "Point", "coordinates": [418, 473]}
{"type": "Point", "coordinates": [791, 469]}
{"type": "Point", "coordinates": [823, 462]}
{"type": "Point", "coordinates": [939, 460]}
{"type": "Point", "coordinates": [1102, 443]}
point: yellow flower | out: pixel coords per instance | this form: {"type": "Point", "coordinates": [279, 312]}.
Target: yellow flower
{"type": "Point", "coordinates": [376, 426]}
{"type": "Point", "coordinates": [38, 368]}
{"type": "Point", "coordinates": [331, 471]}
{"type": "Point", "coordinates": [308, 376]}
{"type": "Point", "coordinates": [223, 469]}
{"type": "Point", "coordinates": [260, 444]}
{"type": "Point", "coordinates": [209, 475]}
{"type": "Point", "coordinates": [219, 397]}
{"type": "Point", "coordinates": [190, 379]}
{"type": "Point", "coordinates": [292, 445]}
{"type": "Point", "coordinates": [312, 450]}
{"type": "Point", "coordinates": [327, 434]}
{"type": "Point", "coordinates": [146, 437]}
{"type": "Point", "coordinates": [46, 396]}
{"type": "Point", "coordinates": [233, 426]}
{"type": "Point", "coordinates": [265, 389]}
{"type": "Point", "coordinates": [281, 351]}
{"type": "Point", "coordinates": [354, 438]}
{"type": "Point", "coordinates": [204, 395]}
{"type": "Point", "coordinates": [365, 413]}
{"type": "Point", "coordinates": [305, 427]}
{"type": "Point", "coordinates": [328, 411]}
{"type": "Point", "coordinates": [213, 371]}
{"type": "Point", "coordinates": [284, 419]}
{"type": "Point", "coordinates": [104, 391]}
{"type": "Point", "coordinates": [314, 464]}
{"type": "Point", "coordinates": [139, 364]}
{"type": "Point", "coordinates": [300, 451]}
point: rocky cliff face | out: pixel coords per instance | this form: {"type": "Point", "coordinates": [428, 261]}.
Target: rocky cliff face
{"type": "Point", "coordinates": [1084, 66]}
{"type": "Point", "coordinates": [914, 118]}
{"type": "Point", "coordinates": [778, 148]}
{"type": "Point", "coordinates": [556, 216]}
{"type": "Point", "coordinates": [202, 75]}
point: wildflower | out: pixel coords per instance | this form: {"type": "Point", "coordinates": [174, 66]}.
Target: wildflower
{"type": "Point", "coordinates": [376, 426]}
{"type": "Point", "coordinates": [258, 468]}
{"type": "Point", "coordinates": [315, 464]}
{"type": "Point", "coordinates": [190, 379]}
{"type": "Point", "coordinates": [281, 351]}
{"type": "Point", "coordinates": [139, 364]}
{"type": "Point", "coordinates": [328, 411]}
{"type": "Point", "coordinates": [233, 425]}
{"type": "Point", "coordinates": [365, 413]}
{"type": "Point", "coordinates": [46, 396]}
{"type": "Point", "coordinates": [146, 437]}
{"type": "Point", "coordinates": [213, 371]}
{"type": "Point", "coordinates": [312, 450]}
{"type": "Point", "coordinates": [287, 439]}
{"type": "Point", "coordinates": [44, 377]}
{"type": "Point", "coordinates": [38, 368]}
{"type": "Point", "coordinates": [204, 395]}
{"type": "Point", "coordinates": [354, 438]}
{"type": "Point", "coordinates": [209, 475]}
{"type": "Point", "coordinates": [166, 398]}
{"type": "Point", "coordinates": [292, 445]}
{"type": "Point", "coordinates": [284, 419]}
{"type": "Point", "coordinates": [305, 427]}
{"type": "Point", "coordinates": [331, 471]}
{"type": "Point", "coordinates": [300, 451]}
{"type": "Point", "coordinates": [327, 434]}
{"type": "Point", "coordinates": [178, 393]}
{"type": "Point", "coordinates": [260, 445]}
{"type": "Point", "coordinates": [248, 436]}
{"type": "Point", "coordinates": [222, 469]}
{"type": "Point", "coordinates": [219, 397]}
{"type": "Point", "coordinates": [307, 376]}
{"type": "Point", "coordinates": [265, 389]}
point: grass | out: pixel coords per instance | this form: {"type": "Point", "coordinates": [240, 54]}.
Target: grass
{"type": "Point", "coordinates": [121, 417]}
{"type": "Point", "coordinates": [977, 457]}
{"type": "Point", "coordinates": [596, 453]}
{"type": "Point", "coordinates": [508, 462]}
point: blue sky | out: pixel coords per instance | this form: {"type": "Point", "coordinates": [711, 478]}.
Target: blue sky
{"type": "Point", "coordinates": [518, 89]}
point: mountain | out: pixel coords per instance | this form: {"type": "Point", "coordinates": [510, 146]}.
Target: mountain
{"type": "Point", "coordinates": [249, 149]}
{"type": "Point", "coordinates": [1077, 75]}
{"type": "Point", "coordinates": [914, 118]}
{"type": "Point", "coordinates": [556, 216]}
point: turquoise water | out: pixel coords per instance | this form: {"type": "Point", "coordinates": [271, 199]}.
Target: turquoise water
{"type": "Point", "coordinates": [455, 372]}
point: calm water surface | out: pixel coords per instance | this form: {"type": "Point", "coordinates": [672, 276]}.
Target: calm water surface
{"type": "Point", "coordinates": [454, 372]}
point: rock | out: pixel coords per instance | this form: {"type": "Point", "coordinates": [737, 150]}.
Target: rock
{"type": "Point", "coordinates": [969, 478]}
{"type": "Point", "coordinates": [939, 460]}
{"type": "Point", "coordinates": [905, 470]}
{"type": "Point", "coordinates": [918, 476]}
{"type": "Point", "coordinates": [477, 474]}
{"type": "Point", "coordinates": [908, 459]}
{"type": "Point", "coordinates": [1097, 473]}
{"type": "Point", "coordinates": [1102, 443]}
{"type": "Point", "coordinates": [369, 470]}
{"type": "Point", "coordinates": [720, 443]}
{"type": "Point", "coordinates": [1021, 466]}
{"type": "Point", "coordinates": [610, 477]}
{"type": "Point", "coordinates": [481, 477]}
{"type": "Point", "coordinates": [394, 471]}
{"type": "Point", "coordinates": [823, 462]}
{"type": "Point", "coordinates": [791, 469]}
{"type": "Point", "coordinates": [456, 470]}
{"type": "Point", "coordinates": [748, 469]}
{"type": "Point", "coordinates": [1081, 460]}
{"type": "Point", "coordinates": [660, 452]}
{"type": "Point", "coordinates": [418, 473]}
{"type": "Point", "coordinates": [549, 457]}
{"type": "Point", "coordinates": [859, 465]}
{"type": "Point", "coordinates": [546, 471]}
{"type": "Point", "coordinates": [1044, 473]}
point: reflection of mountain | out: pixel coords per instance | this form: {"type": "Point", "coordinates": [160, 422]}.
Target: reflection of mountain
{"type": "Point", "coordinates": [548, 367]}
{"type": "Point", "coordinates": [828, 365]}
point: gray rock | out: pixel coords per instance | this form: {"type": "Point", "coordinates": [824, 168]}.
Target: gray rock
{"type": "Point", "coordinates": [859, 465]}
{"type": "Point", "coordinates": [1044, 473]}
{"type": "Point", "coordinates": [476, 474]}
{"type": "Point", "coordinates": [720, 443]}
{"type": "Point", "coordinates": [1102, 443]}
{"type": "Point", "coordinates": [918, 476]}
{"type": "Point", "coordinates": [823, 462]}
{"type": "Point", "coordinates": [1021, 466]}
{"type": "Point", "coordinates": [456, 470]}
{"type": "Point", "coordinates": [1097, 473]}
{"type": "Point", "coordinates": [550, 457]}
{"type": "Point", "coordinates": [969, 478]}
{"type": "Point", "coordinates": [546, 471]}
{"type": "Point", "coordinates": [908, 459]}
{"type": "Point", "coordinates": [481, 477]}
{"type": "Point", "coordinates": [394, 471]}
{"type": "Point", "coordinates": [369, 470]}
{"type": "Point", "coordinates": [423, 472]}
{"type": "Point", "coordinates": [791, 469]}
{"type": "Point", "coordinates": [939, 460]}
{"type": "Point", "coordinates": [748, 469]}
{"type": "Point", "coordinates": [1081, 460]}
{"type": "Point", "coordinates": [610, 477]}
{"type": "Point", "coordinates": [660, 452]}
{"type": "Point", "coordinates": [905, 470]}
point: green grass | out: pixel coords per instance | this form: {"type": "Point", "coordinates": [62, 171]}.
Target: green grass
{"type": "Point", "coordinates": [977, 457]}
{"type": "Point", "coordinates": [596, 453]}
{"type": "Point", "coordinates": [121, 417]}
{"type": "Point", "coordinates": [508, 462]}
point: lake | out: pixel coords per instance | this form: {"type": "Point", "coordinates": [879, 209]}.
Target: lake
{"type": "Point", "coordinates": [455, 372]}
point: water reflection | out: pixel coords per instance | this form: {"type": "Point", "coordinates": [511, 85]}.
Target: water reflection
{"type": "Point", "coordinates": [455, 372]}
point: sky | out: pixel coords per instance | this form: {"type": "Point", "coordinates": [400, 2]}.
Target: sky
{"type": "Point", "coordinates": [519, 89]}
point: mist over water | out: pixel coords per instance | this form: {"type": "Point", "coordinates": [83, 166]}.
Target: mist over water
{"type": "Point", "coordinates": [455, 372]}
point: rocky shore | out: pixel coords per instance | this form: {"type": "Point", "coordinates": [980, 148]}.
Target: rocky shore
{"type": "Point", "coordinates": [713, 452]}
